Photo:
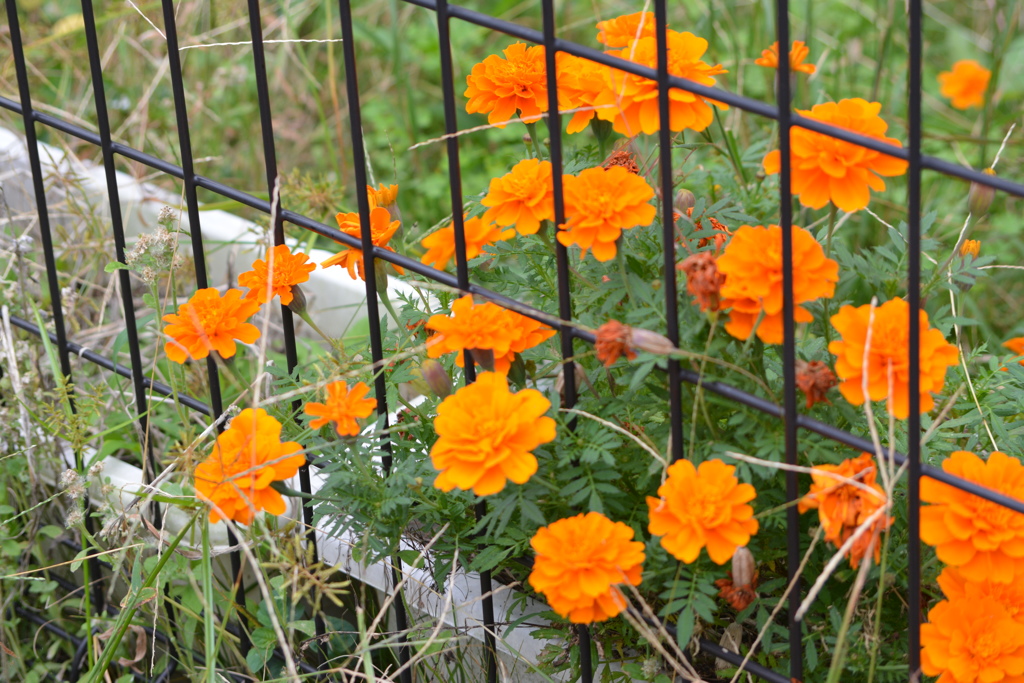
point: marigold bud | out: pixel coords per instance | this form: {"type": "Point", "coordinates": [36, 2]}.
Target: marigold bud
{"type": "Point", "coordinates": [980, 197]}
{"type": "Point", "coordinates": [652, 342]}
{"type": "Point", "coordinates": [972, 247]}
{"type": "Point", "coordinates": [436, 379]}
{"type": "Point", "coordinates": [743, 566]}
{"type": "Point", "coordinates": [298, 302]}
{"type": "Point", "coordinates": [685, 200]}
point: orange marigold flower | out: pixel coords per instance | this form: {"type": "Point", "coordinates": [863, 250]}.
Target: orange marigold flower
{"type": "Point", "coordinates": [634, 99]}
{"type": "Point", "coordinates": [522, 198]}
{"type": "Point", "coordinates": [972, 641]}
{"type": "Point", "coordinates": [385, 195]}
{"type": "Point", "coordinates": [613, 340]}
{"type": "Point", "coordinates": [210, 322]}
{"type": "Point", "coordinates": [984, 540]}
{"type": "Point", "coordinates": [972, 247]}
{"type": "Point", "coordinates": [622, 31]}
{"type": "Point", "coordinates": [705, 506]}
{"type": "Point", "coordinates": [814, 378]}
{"type": "Point", "coordinates": [580, 82]}
{"type": "Point", "coordinates": [1010, 595]}
{"type": "Point", "coordinates": [484, 326]}
{"type": "Point", "coordinates": [770, 57]}
{"type": "Point", "coordinates": [500, 86]}
{"type": "Point", "coordinates": [382, 229]}
{"type": "Point", "coordinates": [440, 244]}
{"type": "Point", "coordinates": [289, 270]}
{"type": "Point", "coordinates": [828, 169]}
{"type": "Point", "coordinates": [842, 506]}
{"type": "Point", "coordinates": [247, 458]}
{"type": "Point", "coordinates": [966, 84]}
{"type": "Point", "coordinates": [343, 406]}
{"type": "Point", "coordinates": [599, 204]}
{"type": "Point", "coordinates": [1016, 346]}
{"type": "Point", "coordinates": [752, 265]}
{"type": "Point", "coordinates": [579, 562]}
{"type": "Point", "coordinates": [703, 280]}
{"type": "Point", "coordinates": [486, 435]}
{"type": "Point", "coordinates": [890, 353]}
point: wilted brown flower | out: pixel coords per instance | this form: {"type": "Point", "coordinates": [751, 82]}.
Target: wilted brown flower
{"type": "Point", "coordinates": [624, 159]}
{"type": "Point", "coordinates": [613, 340]}
{"type": "Point", "coordinates": [814, 378]}
{"type": "Point", "coordinates": [739, 589]}
{"type": "Point", "coordinates": [703, 280]}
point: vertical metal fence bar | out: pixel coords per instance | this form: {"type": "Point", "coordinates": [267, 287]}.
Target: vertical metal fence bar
{"type": "Point", "coordinates": [783, 101]}
{"type": "Point", "coordinates": [914, 9]}
{"type": "Point", "coordinates": [565, 312]}
{"type": "Point", "coordinates": [668, 228]}
{"type": "Point", "coordinates": [462, 272]}
{"type": "Point", "coordinates": [117, 225]}
{"type": "Point", "coordinates": [287, 319]}
{"type": "Point", "coordinates": [49, 258]}
{"type": "Point", "coordinates": [199, 260]}
{"type": "Point", "coordinates": [369, 270]}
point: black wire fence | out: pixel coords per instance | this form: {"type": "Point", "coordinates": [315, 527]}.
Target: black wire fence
{"type": "Point", "coordinates": [569, 335]}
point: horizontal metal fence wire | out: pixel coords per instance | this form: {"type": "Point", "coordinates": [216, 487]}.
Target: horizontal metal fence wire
{"type": "Point", "coordinates": [674, 375]}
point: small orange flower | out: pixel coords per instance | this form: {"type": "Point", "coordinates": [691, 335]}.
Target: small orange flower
{"type": "Point", "coordinates": [1010, 595]}
{"type": "Point", "coordinates": [210, 322]}
{"type": "Point", "coordinates": [343, 406]}
{"type": "Point", "coordinates": [966, 84]}
{"type": "Point", "coordinates": [289, 270]}
{"type": "Point", "coordinates": [613, 340]}
{"type": "Point", "coordinates": [972, 641]}
{"type": "Point", "coordinates": [385, 196]}
{"type": "Point", "coordinates": [599, 204]}
{"type": "Point", "coordinates": [580, 81]}
{"type": "Point", "coordinates": [842, 507]}
{"type": "Point", "coordinates": [814, 378]}
{"type": "Point", "coordinates": [705, 506]}
{"type": "Point", "coordinates": [890, 353]}
{"type": "Point", "coordinates": [752, 265]}
{"type": "Point", "coordinates": [984, 540]}
{"type": "Point", "coordinates": [522, 198]}
{"type": "Point", "coordinates": [770, 57]}
{"type": "Point", "coordinates": [1016, 346]}
{"type": "Point", "coordinates": [703, 280]}
{"type": "Point", "coordinates": [634, 99]}
{"type": "Point", "coordinates": [247, 458]}
{"type": "Point", "coordinates": [500, 86]}
{"type": "Point", "coordinates": [722, 232]}
{"type": "Point", "coordinates": [484, 326]}
{"type": "Point", "coordinates": [828, 169]}
{"type": "Point", "coordinates": [382, 229]}
{"type": "Point", "coordinates": [440, 244]}
{"type": "Point", "coordinates": [486, 435]}
{"type": "Point", "coordinates": [622, 31]}
{"type": "Point", "coordinates": [579, 562]}
{"type": "Point", "coordinates": [972, 247]}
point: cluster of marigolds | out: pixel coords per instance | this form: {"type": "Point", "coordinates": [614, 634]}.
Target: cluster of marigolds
{"type": "Point", "coordinates": [486, 433]}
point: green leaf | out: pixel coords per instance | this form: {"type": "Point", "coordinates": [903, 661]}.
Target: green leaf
{"type": "Point", "coordinates": [684, 628]}
{"type": "Point", "coordinates": [79, 559]}
{"type": "Point", "coordinates": [114, 265]}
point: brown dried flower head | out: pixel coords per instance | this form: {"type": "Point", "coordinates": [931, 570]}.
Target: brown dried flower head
{"type": "Point", "coordinates": [739, 590]}
{"type": "Point", "coordinates": [703, 280]}
{"type": "Point", "coordinates": [613, 340]}
{"type": "Point", "coordinates": [622, 158]}
{"type": "Point", "coordinates": [814, 378]}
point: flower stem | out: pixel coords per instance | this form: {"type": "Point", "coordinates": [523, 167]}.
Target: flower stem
{"type": "Point", "coordinates": [336, 344]}
{"type": "Point", "coordinates": [878, 607]}
{"type": "Point", "coordinates": [533, 145]}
